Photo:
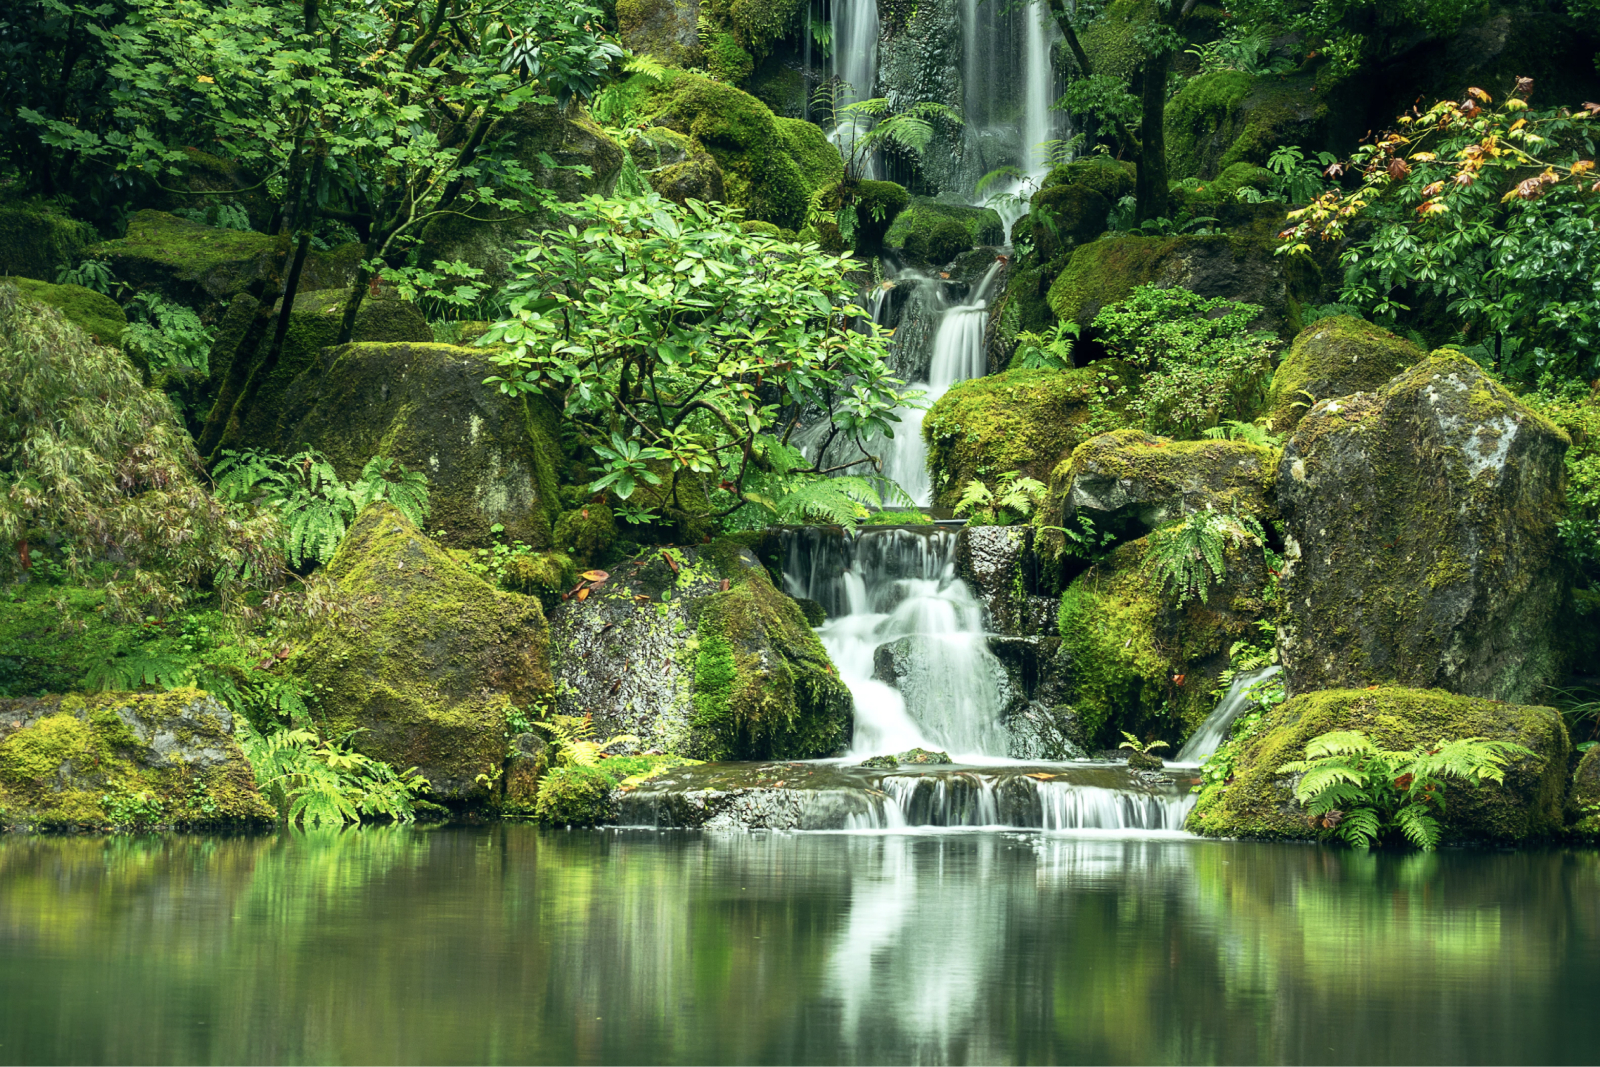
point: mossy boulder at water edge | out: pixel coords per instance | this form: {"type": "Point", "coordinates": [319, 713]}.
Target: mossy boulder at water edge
{"type": "Point", "coordinates": [1143, 663]}
{"type": "Point", "coordinates": [313, 325]}
{"type": "Point", "coordinates": [1583, 802]}
{"type": "Point", "coordinates": [1259, 802]}
{"type": "Point", "coordinates": [489, 458]}
{"type": "Point", "coordinates": [202, 267]}
{"type": "Point", "coordinates": [94, 762]}
{"type": "Point", "coordinates": [94, 313]}
{"type": "Point", "coordinates": [36, 243]}
{"type": "Point", "coordinates": [1018, 420]}
{"type": "Point", "coordinates": [576, 796]}
{"type": "Point", "coordinates": [1332, 357]}
{"type": "Point", "coordinates": [928, 232]}
{"type": "Point", "coordinates": [1420, 538]}
{"type": "Point", "coordinates": [1128, 479]}
{"type": "Point", "coordinates": [693, 651]}
{"type": "Point", "coordinates": [422, 658]}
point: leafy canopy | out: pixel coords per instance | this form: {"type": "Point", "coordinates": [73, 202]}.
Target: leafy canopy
{"type": "Point", "coordinates": [683, 351]}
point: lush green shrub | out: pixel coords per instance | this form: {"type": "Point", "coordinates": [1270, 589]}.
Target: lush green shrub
{"type": "Point", "coordinates": [575, 795]}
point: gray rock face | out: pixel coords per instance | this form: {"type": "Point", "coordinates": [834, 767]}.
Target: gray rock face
{"type": "Point", "coordinates": [692, 650]}
{"type": "Point", "coordinates": [1134, 481]}
{"type": "Point", "coordinates": [1421, 538]}
{"type": "Point", "coordinates": [998, 562]}
{"type": "Point", "coordinates": [1039, 732]}
{"type": "Point", "coordinates": [921, 60]}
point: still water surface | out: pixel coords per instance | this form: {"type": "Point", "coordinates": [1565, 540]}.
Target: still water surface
{"type": "Point", "coordinates": [512, 944]}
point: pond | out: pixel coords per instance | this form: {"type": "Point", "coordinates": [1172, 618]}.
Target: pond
{"type": "Point", "coordinates": [513, 944]}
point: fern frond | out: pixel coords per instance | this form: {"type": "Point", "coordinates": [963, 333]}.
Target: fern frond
{"type": "Point", "coordinates": [1418, 826]}
{"type": "Point", "coordinates": [1339, 743]}
{"type": "Point", "coordinates": [1360, 828]}
{"type": "Point", "coordinates": [974, 496]}
{"type": "Point", "coordinates": [838, 501]}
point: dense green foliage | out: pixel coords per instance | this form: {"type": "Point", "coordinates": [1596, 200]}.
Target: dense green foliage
{"type": "Point", "coordinates": [317, 782]}
{"type": "Point", "coordinates": [1189, 556]}
{"type": "Point", "coordinates": [1366, 794]}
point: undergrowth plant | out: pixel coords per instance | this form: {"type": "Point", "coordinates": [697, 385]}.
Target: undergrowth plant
{"type": "Point", "coordinates": [573, 739]}
{"type": "Point", "coordinates": [1189, 556]}
{"type": "Point", "coordinates": [164, 335]}
{"type": "Point", "coordinates": [1366, 794]}
{"type": "Point", "coordinates": [314, 506]}
{"type": "Point", "coordinates": [1013, 500]}
{"type": "Point", "coordinates": [1049, 350]}
{"type": "Point", "coordinates": [315, 782]}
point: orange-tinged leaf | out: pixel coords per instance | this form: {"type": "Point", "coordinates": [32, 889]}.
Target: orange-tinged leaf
{"type": "Point", "coordinates": [1481, 95]}
{"type": "Point", "coordinates": [206, 79]}
{"type": "Point", "coordinates": [1433, 190]}
{"type": "Point", "coordinates": [583, 594]}
{"type": "Point", "coordinates": [1583, 166]}
{"type": "Point", "coordinates": [594, 576]}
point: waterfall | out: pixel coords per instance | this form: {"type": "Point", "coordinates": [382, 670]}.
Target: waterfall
{"type": "Point", "coordinates": [855, 66]}
{"type": "Point", "coordinates": [959, 353]}
{"type": "Point", "coordinates": [1209, 737]}
{"type": "Point", "coordinates": [908, 639]}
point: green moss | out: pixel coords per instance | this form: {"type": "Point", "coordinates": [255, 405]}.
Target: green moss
{"type": "Point", "coordinates": [430, 659]}
{"type": "Point", "coordinates": [37, 243]}
{"type": "Point", "coordinates": [586, 532]}
{"type": "Point", "coordinates": [726, 61]}
{"type": "Point", "coordinates": [930, 232]}
{"type": "Point", "coordinates": [1108, 177]}
{"type": "Point", "coordinates": [1583, 802]}
{"type": "Point", "coordinates": [1226, 117]}
{"type": "Point", "coordinates": [821, 166]}
{"type": "Point", "coordinates": [94, 313]}
{"type": "Point", "coordinates": [748, 702]}
{"type": "Point", "coordinates": [1105, 272]}
{"type": "Point", "coordinates": [1259, 803]}
{"type": "Point", "coordinates": [1335, 356]}
{"type": "Point", "coordinates": [763, 229]}
{"type": "Point", "coordinates": [761, 23]}
{"type": "Point", "coordinates": [313, 325]}
{"type": "Point", "coordinates": [1062, 217]}
{"type": "Point", "coordinates": [45, 649]}
{"type": "Point", "coordinates": [576, 796]}
{"type": "Point", "coordinates": [1027, 420]}
{"type": "Point", "coordinates": [878, 204]}
{"type": "Point", "coordinates": [63, 758]}
{"type": "Point", "coordinates": [760, 173]}
{"type": "Point", "coordinates": [780, 87]}
{"type": "Point", "coordinates": [545, 575]}
{"type": "Point", "coordinates": [202, 267]}
{"type": "Point", "coordinates": [658, 28]}
{"type": "Point", "coordinates": [1112, 41]}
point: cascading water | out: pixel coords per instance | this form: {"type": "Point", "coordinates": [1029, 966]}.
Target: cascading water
{"type": "Point", "coordinates": [898, 610]}
{"type": "Point", "coordinates": [958, 354]}
{"type": "Point", "coordinates": [855, 31]}
{"type": "Point", "coordinates": [1209, 737]}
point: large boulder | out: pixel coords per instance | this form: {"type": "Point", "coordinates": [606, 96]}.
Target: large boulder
{"type": "Point", "coordinates": [1142, 663]}
{"type": "Point", "coordinates": [36, 243]}
{"type": "Point", "coordinates": [489, 458]}
{"type": "Point", "coordinates": [1420, 534]}
{"type": "Point", "coordinates": [1335, 356]}
{"type": "Point", "coordinates": [1239, 266]}
{"type": "Point", "coordinates": [669, 30]}
{"type": "Point", "coordinates": [1583, 802]}
{"type": "Point", "coordinates": [1259, 802]}
{"type": "Point", "coordinates": [124, 759]}
{"type": "Point", "coordinates": [313, 325]}
{"type": "Point", "coordinates": [202, 267]}
{"type": "Point", "coordinates": [1226, 117]}
{"type": "Point", "coordinates": [1129, 480]}
{"type": "Point", "coordinates": [928, 232]}
{"type": "Point", "coordinates": [1019, 420]}
{"type": "Point", "coordinates": [693, 650]}
{"type": "Point", "coordinates": [94, 313]}
{"type": "Point", "coordinates": [422, 657]}
{"type": "Point", "coordinates": [676, 166]}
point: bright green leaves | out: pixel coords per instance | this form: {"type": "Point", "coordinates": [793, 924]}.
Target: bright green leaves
{"type": "Point", "coordinates": [625, 467]}
{"type": "Point", "coordinates": [317, 783]}
{"type": "Point", "coordinates": [1189, 556]}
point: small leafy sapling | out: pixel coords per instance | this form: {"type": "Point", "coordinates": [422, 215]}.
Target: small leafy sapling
{"type": "Point", "coordinates": [1141, 754]}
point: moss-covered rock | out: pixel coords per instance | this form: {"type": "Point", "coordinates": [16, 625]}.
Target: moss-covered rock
{"type": "Point", "coordinates": [1019, 420]}
{"type": "Point", "coordinates": [677, 167]}
{"type": "Point", "coordinates": [821, 166]}
{"type": "Point", "coordinates": [94, 313]}
{"type": "Point", "coordinates": [202, 267]}
{"type": "Point", "coordinates": [489, 458]}
{"type": "Point", "coordinates": [767, 166]}
{"type": "Point", "coordinates": [1583, 801]}
{"type": "Point", "coordinates": [1333, 357]}
{"type": "Point", "coordinates": [36, 243]}
{"type": "Point", "coordinates": [1128, 479]}
{"type": "Point", "coordinates": [878, 204]}
{"type": "Point", "coordinates": [586, 532]}
{"type": "Point", "coordinates": [313, 325]}
{"type": "Point", "coordinates": [1259, 802]}
{"type": "Point", "coordinates": [116, 760]}
{"type": "Point", "coordinates": [1420, 537]}
{"type": "Point", "coordinates": [695, 652]}
{"type": "Point", "coordinates": [1112, 41]}
{"type": "Point", "coordinates": [666, 29]}
{"type": "Point", "coordinates": [576, 796]}
{"type": "Point", "coordinates": [425, 659]}
{"type": "Point", "coordinates": [1228, 116]}
{"type": "Point", "coordinates": [1062, 217]}
{"type": "Point", "coordinates": [781, 87]}
{"type": "Point", "coordinates": [1108, 177]}
{"type": "Point", "coordinates": [726, 59]}
{"type": "Point", "coordinates": [931, 233]}
{"type": "Point", "coordinates": [1239, 266]}
{"type": "Point", "coordinates": [924, 757]}
{"type": "Point", "coordinates": [1143, 664]}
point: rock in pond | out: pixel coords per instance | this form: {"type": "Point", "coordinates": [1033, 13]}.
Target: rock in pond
{"type": "Point", "coordinates": [1260, 802]}
{"type": "Point", "coordinates": [113, 760]}
{"type": "Point", "coordinates": [1583, 802]}
{"type": "Point", "coordinates": [999, 564]}
{"type": "Point", "coordinates": [917, 756]}
{"type": "Point", "coordinates": [1420, 538]}
{"type": "Point", "coordinates": [693, 651]}
{"type": "Point", "coordinates": [423, 657]}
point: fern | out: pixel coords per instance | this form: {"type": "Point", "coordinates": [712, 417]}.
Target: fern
{"type": "Point", "coordinates": [1015, 499]}
{"type": "Point", "coordinates": [1189, 556]}
{"type": "Point", "coordinates": [1362, 792]}
{"type": "Point", "coordinates": [324, 783]}
{"type": "Point", "coordinates": [572, 737]}
{"type": "Point", "coordinates": [313, 505]}
{"type": "Point", "coordinates": [135, 670]}
{"type": "Point", "coordinates": [1248, 432]}
{"type": "Point", "coordinates": [836, 501]}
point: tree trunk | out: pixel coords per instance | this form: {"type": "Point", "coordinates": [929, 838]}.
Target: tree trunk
{"type": "Point", "coordinates": [1150, 186]}
{"type": "Point", "coordinates": [264, 290]}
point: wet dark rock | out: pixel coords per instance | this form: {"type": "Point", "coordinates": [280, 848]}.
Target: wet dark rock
{"type": "Point", "coordinates": [1000, 565]}
{"type": "Point", "coordinates": [924, 756]}
{"type": "Point", "coordinates": [1039, 732]}
{"type": "Point", "coordinates": [880, 762]}
{"type": "Point", "coordinates": [1145, 761]}
{"type": "Point", "coordinates": [1420, 538]}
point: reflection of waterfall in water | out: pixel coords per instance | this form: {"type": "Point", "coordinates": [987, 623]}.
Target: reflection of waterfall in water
{"type": "Point", "coordinates": [897, 608]}
{"type": "Point", "coordinates": [958, 354]}
{"type": "Point", "coordinates": [1211, 733]}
